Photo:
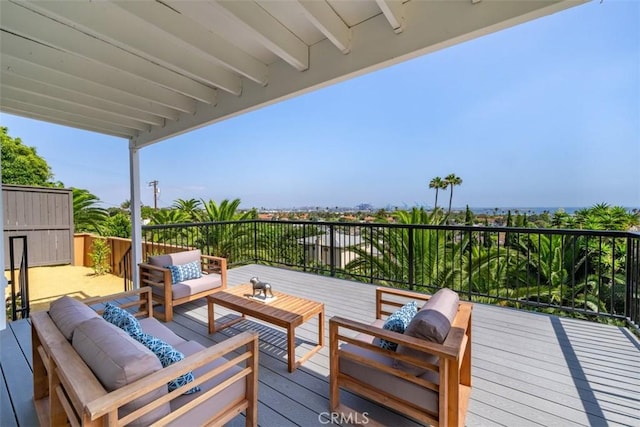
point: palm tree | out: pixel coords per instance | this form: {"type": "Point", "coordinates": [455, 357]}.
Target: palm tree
{"type": "Point", "coordinates": [231, 239]}
{"type": "Point", "coordinates": [86, 215]}
{"type": "Point", "coordinates": [169, 235]}
{"type": "Point", "coordinates": [386, 252]}
{"type": "Point", "coordinates": [438, 184]}
{"type": "Point", "coordinates": [452, 180]}
{"type": "Point", "coordinates": [168, 216]}
{"type": "Point", "coordinates": [190, 207]}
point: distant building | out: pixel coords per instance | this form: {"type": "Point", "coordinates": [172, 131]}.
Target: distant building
{"type": "Point", "coordinates": [318, 248]}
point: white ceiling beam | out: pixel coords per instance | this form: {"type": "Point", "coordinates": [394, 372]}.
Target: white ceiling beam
{"type": "Point", "coordinates": [31, 51]}
{"type": "Point", "coordinates": [25, 22]}
{"type": "Point", "coordinates": [392, 10]}
{"type": "Point", "coordinates": [77, 85]}
{"type": "Point", "coordinates": [325, 19]}
{"type": "Point", "coordinates": [371, 49]}
{"type": "Point", "coordinates": [31, 98]}
{"type": "Point", "coordinates": [11, 80]}
{"type": "Point", "coordinates": [198, 38]}
{"type": "Point", "coordinates": [112, 24]}
{"type": "Point", "coordinates": [61, 117]}
{"type": "Point", "coordinates": [253, 19]}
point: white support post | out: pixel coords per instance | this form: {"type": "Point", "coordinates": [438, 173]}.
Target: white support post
{"type": "Point", "coordinates": [136, 214]}
{"type": "Point", "coordinates": [3, 280]}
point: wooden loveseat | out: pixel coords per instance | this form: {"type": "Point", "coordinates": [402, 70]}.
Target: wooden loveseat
{"type": "Point", "coordinates": [89, 372]}
{"type": "Point", "coordinates": [427, 380]}
{"type": "Point", "coordinates": [169, 293]}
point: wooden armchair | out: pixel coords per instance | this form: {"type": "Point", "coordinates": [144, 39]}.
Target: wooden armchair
{"type": "Point", "coordinates": [170, 292]}
{"type": "Point", "coordinates": [428, 381]}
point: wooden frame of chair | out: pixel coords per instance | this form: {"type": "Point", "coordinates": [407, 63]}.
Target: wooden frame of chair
{"type": "Point", "coordinates": [454, 367]}
{"type": "Point", "coordinates": [160, 277]}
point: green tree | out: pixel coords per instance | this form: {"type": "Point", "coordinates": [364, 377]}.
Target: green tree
{"type": "Point", "coordinates": [87, 215]}
{"type": "Point", "coordinates": [170, 235]}
{"type": "Point", "coordinates": [553, 272]}
{"type": "Point", "coordinates": [452, 180]}
{"type": "Point", "coordinates": [391, 247]}
{"type": "Point", "coordinates": [604, 217]}
{"type": "Point", "coordinates": [117, 225]}
{"type": "Point", "coordinates": [190, 207]}
{"type": "Point", "coordinates": [21, 164]}
{"type": "Point", "coordinates": [231, 239]}
{"type": "Point", "coordinates": [468, 217]}
{"type": "Point", "coordinates": [168, 216]}
{"type": "Point", "coordinates": [487, 241]}
{"type": "Point", "coordinates": [437, 183]}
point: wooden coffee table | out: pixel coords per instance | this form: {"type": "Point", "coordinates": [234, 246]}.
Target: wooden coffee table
{"type": "Point", "coordinates": [286, 311]}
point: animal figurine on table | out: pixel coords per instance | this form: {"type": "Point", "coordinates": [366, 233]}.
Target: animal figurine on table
{"type": "Point", "coordinates": [262, 288]}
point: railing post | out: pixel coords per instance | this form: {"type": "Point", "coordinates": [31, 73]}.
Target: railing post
{"type": "Point", "coordinates": [470, 263]}
{"type": "Point", "coordinates": [24, 278]}
{"type": "Point", "coordinates": [632, 302]}
{"type": "Point", "coordinates": [255, 241]}
{"type": "Point", "coordinates": [12, 266]}
{"type": "Point", "coordinates": [411, 257]}
{"type": "Point", "coordinates": [332, 263]}
{"type": "Point", "coordinates": [304, 247]}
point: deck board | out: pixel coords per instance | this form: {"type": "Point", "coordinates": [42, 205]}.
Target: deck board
{"type": "Point", "coordinates": [17, 373]}
{"type": "Point", "coordinates": [529, 369]}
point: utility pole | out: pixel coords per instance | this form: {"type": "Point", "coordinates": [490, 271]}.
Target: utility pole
{"type": "Point", "coordinates": [156, 190]}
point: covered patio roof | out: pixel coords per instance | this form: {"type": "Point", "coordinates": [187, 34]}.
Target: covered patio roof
{"type": "Point", "coordinates": [150, 70]}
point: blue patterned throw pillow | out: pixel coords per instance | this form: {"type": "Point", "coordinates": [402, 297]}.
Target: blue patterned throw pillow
{"type": "Point", "coordinates": [398, 322]}
{"type": "Point", "coordinates": [122, 319]}
{"type": "Point", "coordinates": [188, 271]}
{"type": "Point", "coordinates": [167, 356]}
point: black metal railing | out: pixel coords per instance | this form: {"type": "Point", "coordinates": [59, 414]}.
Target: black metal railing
{"type": "Point", "coordinates": [126, 269]}
{"type": "Point", "coordinates": [19, 294]}
{"type": "Point", "coordinates": [585, 272]}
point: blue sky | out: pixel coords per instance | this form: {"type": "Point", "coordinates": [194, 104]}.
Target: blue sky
{"type": "Point", "coordinates": [543, 114]}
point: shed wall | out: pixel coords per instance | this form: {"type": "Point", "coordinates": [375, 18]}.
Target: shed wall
{"type": "Point", "coordinates": [45, 216]}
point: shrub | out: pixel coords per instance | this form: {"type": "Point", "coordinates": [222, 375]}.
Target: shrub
{"type": "Point", "coordinates": [99, 255]}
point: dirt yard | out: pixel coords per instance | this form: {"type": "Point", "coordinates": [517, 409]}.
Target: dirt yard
{"type": "Point", "coordinates": [46, 284]}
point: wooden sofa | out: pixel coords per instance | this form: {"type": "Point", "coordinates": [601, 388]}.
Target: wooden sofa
{"type": "Point", "coordinates": [77, 356]}
{"type": "Point", "coordinates": [437, 394]}
{"type": "Point", "coordinates": [156, 274]}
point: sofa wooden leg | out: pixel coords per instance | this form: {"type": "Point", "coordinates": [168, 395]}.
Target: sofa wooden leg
{"type": "Point", "coordinates": [168, 312]}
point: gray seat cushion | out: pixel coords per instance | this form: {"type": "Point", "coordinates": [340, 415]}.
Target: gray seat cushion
{"type": "Point", "coordinates": [67, 313]}
{"type": "Point", "coordinates": [193, 286]}
{"type": "Point", "coordinates": [432, 323]}
{"type": "Point", "coordinates": [116, 360]}
{"type": "Point", "coordinates": [203, 412]}
{"type": "Point", "coordinates": [388, 383]}
{"type": "Point", "coordinates": [152, 326]}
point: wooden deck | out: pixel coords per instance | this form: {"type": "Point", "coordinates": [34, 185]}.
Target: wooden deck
{"type": "Point", "coordinates": [528, 369]}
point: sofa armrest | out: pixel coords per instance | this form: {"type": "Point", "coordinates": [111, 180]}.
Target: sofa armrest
{"type": "Point", "coordinates": [215, 264]}
{"type": "Point", "coordinates": [144, 302]}
{"type": "Point", "coordinates": [335, 323]}
{"type": "Point", "coordinates": [152, 275]}
{"type": "Point", "coordinates": [108, 405]}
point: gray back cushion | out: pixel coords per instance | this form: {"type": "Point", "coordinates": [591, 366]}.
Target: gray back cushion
{"type": "Point", "coordinates": [177, 258]}
{"type": "Point", "coordinates": [67, 313]}
{"type": "Point", "coordinates": [432, 323]}
{"type": "Point", "coordinates": [116, 360]}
